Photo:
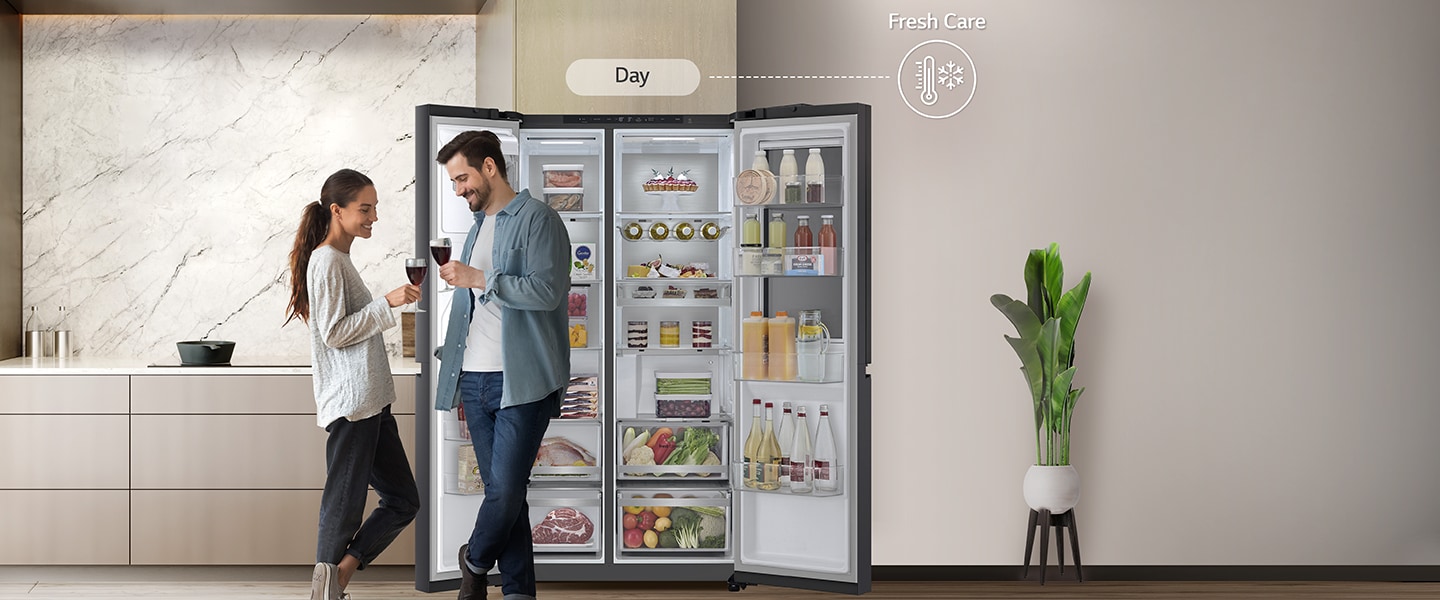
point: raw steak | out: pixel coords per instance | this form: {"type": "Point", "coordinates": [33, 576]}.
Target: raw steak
{"type": "Point", "coordinates": [563, 526]}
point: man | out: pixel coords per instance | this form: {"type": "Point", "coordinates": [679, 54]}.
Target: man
{"type": "Point", "coordinates": [506, 354]}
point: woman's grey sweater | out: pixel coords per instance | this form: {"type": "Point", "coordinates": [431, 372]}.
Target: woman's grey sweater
{"type": "Point", "coordinates": [352, 371]}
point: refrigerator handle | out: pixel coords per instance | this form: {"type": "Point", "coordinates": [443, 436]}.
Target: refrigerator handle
{"type": "Point", "coordinates": [867, 368]}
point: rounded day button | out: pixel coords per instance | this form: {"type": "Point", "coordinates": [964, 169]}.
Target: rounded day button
{"type": "Point", "coordinates": [632, 77]}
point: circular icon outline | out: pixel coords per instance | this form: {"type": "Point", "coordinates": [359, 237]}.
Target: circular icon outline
{"type": "Point", "coordinates": [900, 79]}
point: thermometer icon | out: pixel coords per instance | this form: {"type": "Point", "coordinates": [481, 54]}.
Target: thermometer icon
{"type": "Point", "coordinates": [927, 82]}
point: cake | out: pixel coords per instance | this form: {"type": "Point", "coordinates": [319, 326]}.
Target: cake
{"type": "Point", "coordinates": [637, 334]}
{"type": "Point", "coordinates": [643, 291]}
{"type": "Point", "coordinates": [670, 182]}
{"type": "Point", "coordinates": [707, 293]}
{"type": "Point", "coordinates": [700, 334]}
{"type": "Point", "coordinates": [674, 292]}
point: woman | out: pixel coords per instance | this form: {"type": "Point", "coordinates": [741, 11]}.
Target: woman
{"type": "Point", "coordinates": [353, 384]}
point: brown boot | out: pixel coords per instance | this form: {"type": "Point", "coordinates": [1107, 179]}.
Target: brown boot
{"type": "Point", "coordinates": [472, 586]}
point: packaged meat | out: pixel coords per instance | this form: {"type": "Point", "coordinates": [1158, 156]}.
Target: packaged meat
{"type": "Point", "coordinates": [565, 199]}
{"type": "Point", "coordinates": [563, 526]}
{"type": "Point", "coordinates": [563, 176]}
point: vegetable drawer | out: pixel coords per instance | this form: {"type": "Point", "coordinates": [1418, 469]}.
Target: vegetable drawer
{"type": "Point", "coordinates": [672, 449]}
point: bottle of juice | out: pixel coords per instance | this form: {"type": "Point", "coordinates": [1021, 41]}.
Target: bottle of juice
{"type": "Point", "coordinates": [803, 237]}
{"type": "Point", "coordinates": [755, 346]}
{"type": "Point", "coordinates": [777, 231]}
{"type": "Point", "coordinates": [782, 365]}
{"type": "Point", "coordinates": [827, 244]}
{"type": "Point", "coordinates": [814, 178]}
{"type": "Point", "coordinates": [750, 231]}
{"type": "Point", "coordinates": [790, 178]}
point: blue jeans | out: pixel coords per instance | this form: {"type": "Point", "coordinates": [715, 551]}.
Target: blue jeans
{"type": "Point", "coordinates": [506, 442]}
{"type": "Point", "coordinates": [359, 455]}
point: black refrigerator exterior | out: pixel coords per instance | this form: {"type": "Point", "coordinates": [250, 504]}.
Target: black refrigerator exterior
{"type": "Point", "coordinates": [663, 286]}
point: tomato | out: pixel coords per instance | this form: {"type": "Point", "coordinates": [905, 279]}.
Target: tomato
{"type": "Point", "coordinates": [630, 521]}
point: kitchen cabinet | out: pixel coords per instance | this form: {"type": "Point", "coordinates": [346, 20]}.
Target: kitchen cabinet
{"type": "Point", "coordinates": [236, 527]}
{"type": "Point", "coordinates": [65, 527]}
{"type": "Point", "coordinates": [155, 466]}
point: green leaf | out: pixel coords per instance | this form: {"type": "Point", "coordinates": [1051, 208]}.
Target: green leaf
{"type": "Point", "coordinates": [1032, 370]}
{"type": "Point", "coordinates": [1054, 279]}
{"type": "Point", "coordinates": [1059, 398]}
{"type": "Point", "coordinates": [1071, 305]}
{"type": "Point", "coordinates": [1074, 397]}
{"type": "Point", "coordinates": [1020, 316]}
{"type": "Point", "coordinates": [1034, 281]}
{"type": "Point", "coordinates": [1047, 345]}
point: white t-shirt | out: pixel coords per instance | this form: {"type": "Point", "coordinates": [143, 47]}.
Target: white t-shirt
{"type": "Point", "coordinates": [482, 349]}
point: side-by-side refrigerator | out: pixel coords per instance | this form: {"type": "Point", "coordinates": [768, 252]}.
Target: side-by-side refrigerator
{"type": "Point", "coordinates": [720, 286]}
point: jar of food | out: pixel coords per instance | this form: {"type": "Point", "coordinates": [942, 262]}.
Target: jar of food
{"type": "Point", "coordinates": [659, 231]}
{"type": "Point", "coordinates": [632, 231]}
{"type": "Point", "coordinates": [637, 334]}
{"type": "Point", "coordinates": [669, 334]}
{"type": "Point", "coordinates": [701, 333]}
{"type": "Point", "coordinates": [684, 230]}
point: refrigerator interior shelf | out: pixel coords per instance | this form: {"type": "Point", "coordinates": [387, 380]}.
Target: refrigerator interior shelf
{"type": "Point", "coordinates": [580, 216]}
{"type": "Point", "coordinates": [739, 484]}
{"type": "Point", "coordinates": [566, 473]}
{"type": "Point", "coordinates": [681, 351]}
{"type": "Point", "coordinates": [672, 215]}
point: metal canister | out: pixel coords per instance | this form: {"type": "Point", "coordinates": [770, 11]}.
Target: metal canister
{"type": "Point", "coordinates": [62, 343]}
{"type": "Point", "coordinates": [34, 344]}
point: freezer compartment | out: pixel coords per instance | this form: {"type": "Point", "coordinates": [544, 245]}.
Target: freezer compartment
{"type": "Point", "coordinates": [694, 449]}
{"type": "Point", "coordinates": [567, 522]}
{"type": "Point", "coordinates": [570, 451]}
{"type": "Point", "coordinates": [672, 523]}
{"type": "Point", "coordinates": [747, 476]}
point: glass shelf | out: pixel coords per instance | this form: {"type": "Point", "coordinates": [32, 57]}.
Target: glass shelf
{"type": "Point", "coordinates": [795, 262]}
{"type": "Point", "coordinates": [580, 216]}
{"type": "Point", "coordinates": [772, 194]}
{"type": "Point", "coordinates": [682, 351]}
{"type": "Point", "coordinates": [716, 216]}
{"type": "Point", "coordinates": [625, 293]}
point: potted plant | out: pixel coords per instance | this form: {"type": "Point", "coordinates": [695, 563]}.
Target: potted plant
{"type": "Point", "coordinates": [1046, 346]}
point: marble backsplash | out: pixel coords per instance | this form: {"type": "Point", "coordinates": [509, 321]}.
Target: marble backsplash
{"type": "Point", "coordinates": [167, 160]}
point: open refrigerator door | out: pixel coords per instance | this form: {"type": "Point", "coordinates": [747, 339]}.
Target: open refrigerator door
{"type": "Point", "coordinates": [801, 322]}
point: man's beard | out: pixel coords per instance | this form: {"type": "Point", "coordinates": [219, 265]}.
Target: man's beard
{"type": "Point", "coordinates": [480, 198]}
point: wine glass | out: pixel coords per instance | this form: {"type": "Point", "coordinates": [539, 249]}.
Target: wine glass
{"type": "Point", "coordinates": [440, 249]}
{"type": "Point", "coordinates": [415, 270]}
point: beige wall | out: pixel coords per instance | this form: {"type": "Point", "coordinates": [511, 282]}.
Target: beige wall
{"type": "Point", "coordinates": [1253, 185]}
{"type": "Point", "coordinates": [551, 34]}
{"type": "Point", "coordinates": [10, 218]}
{"type": "Point", "coordinates": [495, 55]}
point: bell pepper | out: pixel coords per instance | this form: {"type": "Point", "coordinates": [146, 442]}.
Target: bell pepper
{"type": "Point", "coordinates": [664, 447]}
{"type": "Point", "coordinates": [655, 437]}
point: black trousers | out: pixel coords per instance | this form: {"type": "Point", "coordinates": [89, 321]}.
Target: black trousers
{"type": "Point", "coordinates": [359, 455]}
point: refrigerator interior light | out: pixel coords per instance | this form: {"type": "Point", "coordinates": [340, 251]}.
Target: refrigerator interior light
{"type": "Point", "coordinates": [672, 139]}
{"type": "Point", "coordinates": [561, 142]}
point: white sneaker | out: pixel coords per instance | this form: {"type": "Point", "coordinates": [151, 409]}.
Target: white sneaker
{"type": "Point", "coordinates": [325, 583]}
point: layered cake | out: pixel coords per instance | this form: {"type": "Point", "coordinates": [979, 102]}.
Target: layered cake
{"type": "Point", "coordinates": [700, 334]}
{"type": "Point", "coordinates": [707, 293]}
{"type": "Point", "coordinates": [637, 334]}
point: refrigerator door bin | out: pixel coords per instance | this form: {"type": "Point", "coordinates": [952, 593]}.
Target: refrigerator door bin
{"type": "Point", "coordinates": [829, 368]}
{"type": "Point", "coordinates": [697, 523]}
{"type": "Point", "coordinates": [739, 483]}
{"type": "Point", "coordinates": [664, 440]}
{"type": "Point", "coordinates": [811, 261]}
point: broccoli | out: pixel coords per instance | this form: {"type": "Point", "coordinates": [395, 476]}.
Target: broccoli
{"type": "Point", "coordinates": [713, 541]}
{"type": "Point", "coordinates": [681, 516]}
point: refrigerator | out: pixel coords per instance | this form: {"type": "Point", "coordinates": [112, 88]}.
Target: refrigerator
{"type": "Point", "coordinates": [647, 475]}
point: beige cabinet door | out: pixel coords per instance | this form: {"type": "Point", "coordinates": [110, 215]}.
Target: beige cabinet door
{"type": "Point", "coordinates": [65, 527]}
{"type": "Point", "coordinates": [64, 452]}
{"type": "Point", "coordinates": [236, 527]}
{"type": "Point", "coordinates": [64, 394]}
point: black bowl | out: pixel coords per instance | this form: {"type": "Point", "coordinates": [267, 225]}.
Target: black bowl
{"type": "Point", "coordinates": [205, 352]}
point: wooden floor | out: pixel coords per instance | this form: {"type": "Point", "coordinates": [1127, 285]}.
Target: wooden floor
{"type": "Point", "coordinates": [197, 590]}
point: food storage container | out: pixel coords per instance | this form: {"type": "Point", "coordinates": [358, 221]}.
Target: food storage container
{"type": "Point", "coordinates": [563, 176]}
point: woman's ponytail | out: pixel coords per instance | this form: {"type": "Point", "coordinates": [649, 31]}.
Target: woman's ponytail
{"type": "Point", "coordinates": [314, 226]}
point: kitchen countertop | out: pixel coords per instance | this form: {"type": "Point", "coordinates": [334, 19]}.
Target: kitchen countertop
{"type": "Point", "coordinates": [87, 365]}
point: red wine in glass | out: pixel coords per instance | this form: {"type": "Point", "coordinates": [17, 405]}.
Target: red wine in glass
{"type": "Point", "coordinates": [416, 274]}
{"type": "Point", "coordinates": [415, 270]}
{"type": "Point", "coordinates": [441, 254]}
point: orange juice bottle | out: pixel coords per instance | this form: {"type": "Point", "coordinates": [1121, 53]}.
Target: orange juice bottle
{"type": "Point", "coordinates": [755, 344]}
{"type": "Point", "coordinates": [782, 347]}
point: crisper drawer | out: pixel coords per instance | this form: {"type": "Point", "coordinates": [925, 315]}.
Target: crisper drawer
{"type": "Point", "coordinates": [566, 521]}
{"type": "Point", "coordinates": [650, 450]}
{"type": "Point", "coordinates": [569, 451]}
{"type": "Point", "coordinates": [673, 523]}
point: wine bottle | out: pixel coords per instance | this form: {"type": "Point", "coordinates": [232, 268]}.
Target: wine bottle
{"type": "Point", "coordinates": [769, 454]}
{"type": "Point", "coordinates": [800, 455]}
{"type": "Point", "coordinates": [752, 447]}
{"type": "Point", "coordinates": [786, 439]}
{"type": "Point", "coordinates": [825, 453]}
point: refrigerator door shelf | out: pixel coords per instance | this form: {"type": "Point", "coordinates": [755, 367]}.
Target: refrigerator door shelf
{"type": "Point", "coordinates": [831, 362]}
{"type": "Point", "coordinates": [790, 261]}
{"type": "Point", "coordinates": [737, 482]}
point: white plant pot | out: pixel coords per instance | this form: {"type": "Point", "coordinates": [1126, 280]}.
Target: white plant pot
{"type": "Point", "coordinates": [1055, 489]}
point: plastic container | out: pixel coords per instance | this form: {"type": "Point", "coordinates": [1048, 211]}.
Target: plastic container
{"type": "Point", "coordinates": [755, 338]}
{"type": "Point", "coordinates": [565, 199]}
{"type": "Point", "coordinates": [563, 176]}
{"type": "Point", "coordinates": [669, 334]}
{"type": "Point", "coordinates": [637, 334]}
{"type": "Point", "coordinates": [782, 365]}
{"type": "Point", "coordinates": [682, 406]}
{"type": "Point", "coordinates": [814, 178]}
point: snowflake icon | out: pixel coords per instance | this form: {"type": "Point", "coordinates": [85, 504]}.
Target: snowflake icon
{"type": "Point", "coordinates": [950, 75]}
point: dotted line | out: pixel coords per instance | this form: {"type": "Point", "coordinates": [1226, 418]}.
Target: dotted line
{"type": "Point", "coordinates": [799, 76]}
